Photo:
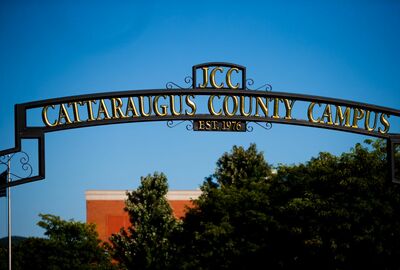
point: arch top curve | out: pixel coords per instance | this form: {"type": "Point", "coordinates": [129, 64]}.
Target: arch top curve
{"type": "Point", "coordinates": [219, 101]}
{"type": "Point", "coordinates": [206, 104]}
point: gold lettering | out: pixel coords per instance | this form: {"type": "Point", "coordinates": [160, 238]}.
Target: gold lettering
{"type": "Point", "coordinates": [242, 105]}
{"type": "Point", "coordinates": [163, 107]}
{"type": "Point", "coordinates": [340, 117]}
{"type": "Point", "coordinates": [141, 106]}
{"type": "Point", "coordinates": [89, 108]}
{"type": "Point", "coordinates": [45, 116]}
{"type": "Point", "coordinates": [235, 105]}
{"type": "Point", "coordinates": [172, 103]}
{"type": "Point", "coordinates": [212, 78]}
{"type": "Point", "coordinates": [358, 115]}
{"type": "Point", "coordinates": [205, 78]}
{"type": "Point", "coordinates": [385, 123]}
{"type": "Point", "coordinates": [117, 108]}
{"type": "Point", "coordinates": [289, 107]}
{"type": "Point", "coordinates": [102, 111]}
{"type": "Point", "coordinates": [367, 117]}
{"type": "Point", "coordinates": [131, 108]}
{"type": "Point", "coordinates": [75, 111]}
{"type": "Point", "coordinates": [211, 105]}
{"type": "Point", "coordinates": [191, 104]}
{"type": "Point", "coordinates": [63, 114]}
{"type": "Point", "coordinates": [229, 79]}
{"type": "Point", "coordinates": [201, 124]}
{"type": "Point", "coordinates": [276, 108]}
{"type": "Point", "coordinates": [310, 112]}
{"type": "Point", "coordinates": [327, 114]}
{"type": "Point", "coordinates": [215, 125]}
{"type": "Point", "coordinates": [263, 105]}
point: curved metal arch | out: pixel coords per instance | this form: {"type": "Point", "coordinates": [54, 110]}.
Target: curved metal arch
{"type": "Point", "coordinates": [23, 131]}
{"type": "Point", "coordinates": [208, 91]}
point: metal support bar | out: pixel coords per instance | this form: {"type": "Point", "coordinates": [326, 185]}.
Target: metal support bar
{"type": "Point", "coordinates": [9, 214]}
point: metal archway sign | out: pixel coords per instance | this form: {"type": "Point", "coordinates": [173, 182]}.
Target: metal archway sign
{"type": "Point", "coordinates": [218, 97]}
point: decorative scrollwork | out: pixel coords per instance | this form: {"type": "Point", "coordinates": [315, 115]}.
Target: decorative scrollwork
{"type": "Point", "coordinates": [267, 126]}
{"type": "Point", "coordinates": [172, 124]}
{"type": "Point", "coordinates": [250, 82]}
{"type": "Point", "coordinates": [188, 80]}
{"type": "Point", "coordinates": [24, 164]}
{"type": "Point", "coordinates": [266, 87]}
{"type": "Point", "coordinates": [249, 128]}
{"type": "Point", "coordinates": [189, 126]}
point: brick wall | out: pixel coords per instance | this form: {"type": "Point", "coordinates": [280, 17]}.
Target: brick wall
{"type": "Point", "coordinates": [106, 208]}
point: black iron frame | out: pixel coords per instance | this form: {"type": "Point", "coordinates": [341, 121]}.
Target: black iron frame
{"type": "Point", "coordinates": [219, 64]}
{"type": "Point", "coordinates": [391, 153]}
{"type": "Point", "coordinates": [23, 131]}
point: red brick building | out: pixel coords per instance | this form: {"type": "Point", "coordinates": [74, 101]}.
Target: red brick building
{"type": "Point", "coordinates": [105, 208]}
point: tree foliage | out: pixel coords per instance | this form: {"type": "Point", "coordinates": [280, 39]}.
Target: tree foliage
{"type": "Point", "coordinates": [227, 226]}
{"type": "Point", "coordinates": [240, 165]}
{"type": "Point", "coordinates": [147, 243]}
{"type": "Point", "coordinates": [74, 244]}
{"type": "Point", "coordinates": [333, 212]}
{"type": "Point", "coordinates": [70, 245]}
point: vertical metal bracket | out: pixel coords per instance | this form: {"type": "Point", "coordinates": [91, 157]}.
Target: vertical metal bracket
{"type": "Point", "coordinates": [393, 146]}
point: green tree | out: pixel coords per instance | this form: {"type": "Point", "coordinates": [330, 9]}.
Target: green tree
{"type": "Point", "coordinates": [146, 243]}
{"type": "Point", "coordinates": [73, 244]}
{"type": "Point", "coordinates": [333, 212]}
{"type": "Point", "coordinates": [341, 212]}
{"type": "Point", "coordinates": [240, 165]}
{"type": "Point", "coordinates": [228, 227]}
{"type": "Point", "coordinates": [32, 253]}
{"type": "Point", "coordinates": [69, 245]}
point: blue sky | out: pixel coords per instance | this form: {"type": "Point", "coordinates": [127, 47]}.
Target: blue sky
{"type": "Point", "coordinates": [342, 49]}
